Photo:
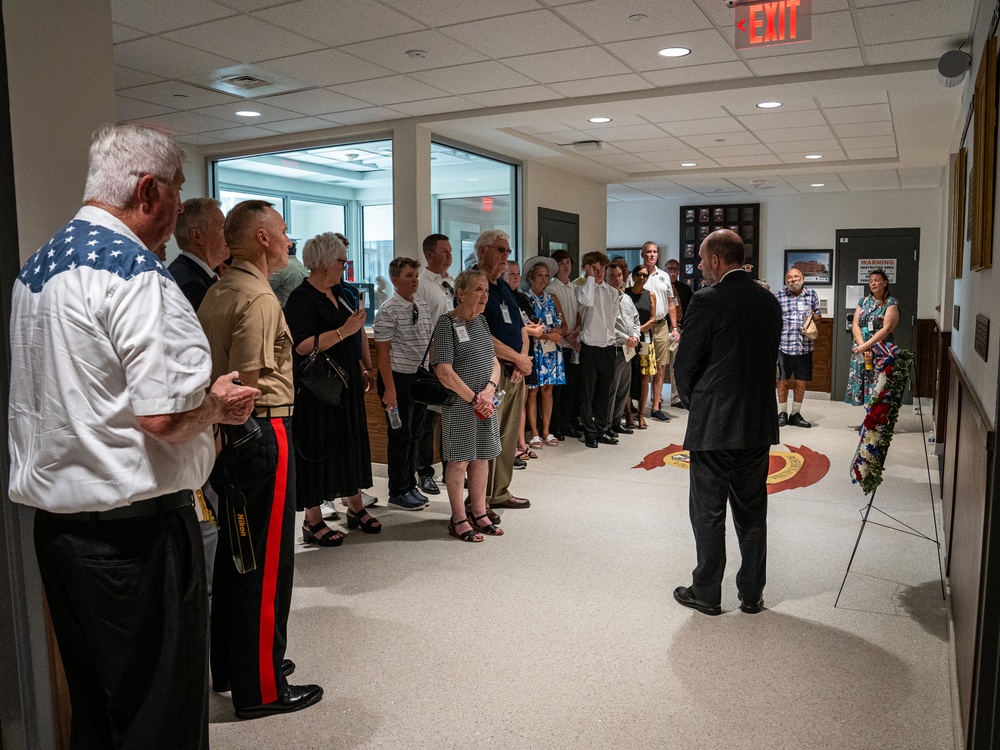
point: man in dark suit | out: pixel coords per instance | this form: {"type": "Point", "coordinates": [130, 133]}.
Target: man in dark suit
{"type": "Point", "coordinates": [203, 247]}
{"type": "Point", "coordinates": [725, 375]}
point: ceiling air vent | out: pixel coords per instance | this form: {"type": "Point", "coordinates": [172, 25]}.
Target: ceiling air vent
{"type": "Point", "coordinates": [244, 82]}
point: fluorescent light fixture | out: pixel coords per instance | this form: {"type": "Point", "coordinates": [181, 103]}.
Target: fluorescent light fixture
{"type": "Point", "coordinates": [689, 164]}
{"type": "Point", "coordinates": [247, 113]}
{"type": "Point", "coordinates": [599, 119]}
{"type": "Point", "coordinates": [769, 105]}
{"type": "Point", "coordinates": [814, 156]}
{"type": "Point", "coordinates": [818, 184]}
{"type": "Point", "coordinates": [674, 52]}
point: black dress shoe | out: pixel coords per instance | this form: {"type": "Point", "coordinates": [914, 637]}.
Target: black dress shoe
{"type": "Point", "coordinates": [684, 597]}
{"type": "Point", "coordinates": [428, 485]}
{"type": "Point", "coordinates": [224, 686]}
{"type": "Point", "coordinates": [613, 430]}
{"type": "Point", "coordinates": [520, 463]}
{"type": "Point", "coordinates": [572, 432]}
{"type": "Point", "coordinates": [623, 430]}
{"type": "Point", "coordinates": [782, 418]}
{"type": "Point", "coordinates": [295, 698]}
{"type": "Point", "coordinates": [560, 436]}
{"type": "Point", "coordinates": [591, 442]}
{"type": "Point", "coordinates": [796, 420]}
{"type": "Point", "coordinates": [752, 609]}
{"type": "Point", "coordinates": [607, 438]}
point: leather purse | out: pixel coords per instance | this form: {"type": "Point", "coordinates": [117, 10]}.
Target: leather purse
{"type": "Point", "coordinates": [323, 377]}
{"type": "Point", "coordinates": [809, 328]}
{"type": "Point", "coordinates": [426, 388]}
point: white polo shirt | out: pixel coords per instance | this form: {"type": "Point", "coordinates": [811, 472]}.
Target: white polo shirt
{"type": "Point", "coordinates": [394, 323]}
{"type": "Point", "coordinates": [660, 286]}
{"type": "Point", "coordinates": [437, 291]}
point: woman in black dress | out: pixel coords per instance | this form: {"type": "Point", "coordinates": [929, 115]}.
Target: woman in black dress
{"type": "Point", "coordinates": [644, 365]}
{"type": "Point", "coordinates": [332, 456]}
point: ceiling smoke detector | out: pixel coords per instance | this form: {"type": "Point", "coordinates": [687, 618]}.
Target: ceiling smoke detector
{"type": "Point", "coordinates": [244, 82]}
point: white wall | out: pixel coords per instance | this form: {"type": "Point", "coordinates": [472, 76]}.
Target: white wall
{"type": "Point", "coordinates": [546, 187]}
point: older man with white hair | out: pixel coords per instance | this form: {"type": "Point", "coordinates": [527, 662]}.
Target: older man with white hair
{"type": "Point", "coordinates": [110, 431]}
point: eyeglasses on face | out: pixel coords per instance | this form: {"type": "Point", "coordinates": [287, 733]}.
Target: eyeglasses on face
{"type": "Point", "coordinates": [642, 275]}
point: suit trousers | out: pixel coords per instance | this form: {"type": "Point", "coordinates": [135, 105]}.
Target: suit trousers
{"type": "Point", "coordinates": [597, 367]}
{"type": "Point", "coordinates": [565, 398]}
{"type": "Point", "coordinates": [741, 477]}
{"type": "Point", "coordinates": [619, 388]}
{"type": "Point", "coordinates": [509, 416]}
{"type": "Point", "coordinates": [401, 447]}
{"type": "Point", "coordinates": [250, 610]}
{"type": "Point", "coordinates": [424, 456]}
{"type": "Point", "coordinates": [130, 612]}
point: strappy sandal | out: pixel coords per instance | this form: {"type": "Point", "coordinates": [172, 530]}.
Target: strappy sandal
{"type": "Point", "coordinates": [465, 536]}
{"type": "Point", "coordinates": [535, 442]}
{"type": "Point", "coordinates": [488, 528]}
{"type": "Point", "coordinates": [370, 526]}
{"type": "Point", "coordinates": [642, 424]}
{"type": "Point", "coordinates": [525, 455]}
{"type": "Point", "coordinates": [493, 516]}
{"type": "Point", "coordinates": [311, 534]}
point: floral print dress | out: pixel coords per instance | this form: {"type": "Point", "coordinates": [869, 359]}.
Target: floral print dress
{"type": "Point", "coordinates": [859, 380]}
{"type": "Point", "coordinates": [549, 365]}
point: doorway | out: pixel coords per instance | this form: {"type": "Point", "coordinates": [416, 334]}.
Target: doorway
{"type": "Point", "coordinates": [559, 230]}
{"type": "Point", "coordinates": [859, 251]}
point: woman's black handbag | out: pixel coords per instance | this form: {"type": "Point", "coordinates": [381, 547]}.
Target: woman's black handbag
{"type": "Point", "coordinates": [427, 389]}
{"type": "Point", "coordinates": [323, 377]}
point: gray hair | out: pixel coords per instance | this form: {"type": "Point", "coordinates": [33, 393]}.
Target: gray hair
{"type": "Point", "coordinates": [488, 239]}
{"type": "Point", "coordinates": [465, 279]}
{"type": "Point", "coordinates": [195, 214]}
{"type": "Point", "coordinates": [322, 250]}
{"type": "Point", "coordinates": [121, 155]}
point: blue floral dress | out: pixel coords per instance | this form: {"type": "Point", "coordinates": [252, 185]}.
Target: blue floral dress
{"type": "Point", "coordinates": [859, 380]}
{"type": "Point", "coordinates": [548, 365]}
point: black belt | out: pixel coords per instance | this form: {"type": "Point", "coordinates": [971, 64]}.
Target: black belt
{"type": "Point", "coordinates": [139, 509]}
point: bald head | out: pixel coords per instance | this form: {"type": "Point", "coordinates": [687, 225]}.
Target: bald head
{"type": "Point", "coordinates": [255, 232]}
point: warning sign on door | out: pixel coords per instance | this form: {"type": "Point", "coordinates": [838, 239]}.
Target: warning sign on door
{"type": "Point", "coordinates": [867, 265]}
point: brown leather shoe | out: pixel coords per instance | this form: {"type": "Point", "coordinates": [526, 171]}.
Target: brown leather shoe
{"type": "Point", "coordinates": [513, 503]}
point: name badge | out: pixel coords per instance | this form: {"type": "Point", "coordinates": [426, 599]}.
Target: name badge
{"type": "Point", "coordinates": [548, 319]}
{"type": "Point", "coordinates": [505, 313]}
{"type": "Point", "coordinates": [462, 333]}
{"type": "Point", "coordinates": [449, 303]}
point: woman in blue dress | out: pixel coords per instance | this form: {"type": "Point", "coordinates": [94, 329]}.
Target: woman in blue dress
{"type": "Point", "coordinates": [547, 353]}
{"type": "Point", "coordinates": [874, 321]}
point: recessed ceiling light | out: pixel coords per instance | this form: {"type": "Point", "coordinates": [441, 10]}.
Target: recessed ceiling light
{"type": "Point", "coordinates": [818, 184]}
{"type": "Point", "coordinates": [674, 52]}
{"type": "Point", "coordinates": [814, 156]}
{"type": "Point", "coordinates": [247, 113]}
{"type": "Point", "coordinates": [689, 164]}
{"type": "Point", "coordinates": [599, 119]}
{"type": "Point", "coordinates": [769, 105]}
{"type": "Point", "coordinates": [638, 17]}
{"type": "Point", "coordinates": [416, 53]}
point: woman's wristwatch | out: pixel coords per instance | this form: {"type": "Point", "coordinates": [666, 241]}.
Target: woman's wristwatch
{"type": "Point", "coordinates": [490, 382]}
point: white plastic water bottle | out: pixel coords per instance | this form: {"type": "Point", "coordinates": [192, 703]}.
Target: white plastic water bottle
{"type": "Point", "coordinates": [497, 398]}
{"type": "Point", "coordinates": [394, 421]}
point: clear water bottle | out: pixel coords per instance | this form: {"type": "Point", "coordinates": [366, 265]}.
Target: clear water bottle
{"type": "Point", "coordinates": [394, 421]}
{"type": "Point", "coordinates": [497, 398]}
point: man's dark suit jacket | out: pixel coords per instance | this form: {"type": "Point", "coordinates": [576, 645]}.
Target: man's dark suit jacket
{"type": "Point", "coordinates": [725, 366]}
{"type": "Point", "coordinates": [191, 278]}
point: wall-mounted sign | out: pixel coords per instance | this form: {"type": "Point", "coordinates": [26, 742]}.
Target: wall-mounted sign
{"type": "Point", "coordinates": [765, 23]}
{"type": "Point", "coordinates": [867, 265]}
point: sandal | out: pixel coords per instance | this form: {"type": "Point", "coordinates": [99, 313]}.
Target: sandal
{"type": "Point", "coordinates": [493, 516]}
{"type": "Point", "coordinates": [525, 455]}
{"type": "Point", "coordinates": [465, 536]}
{"type": "Point", "coordinates": [642, 424]}
{"type": "Point", "coordinates": [312, 534]}
{"type": "Point", "coordinates": [535, 442]}
{"type": "Point", "coordinates": [370, 526]}
{"type": "Point", "coordinates": [486, 528]}
{"type": "Point", "coordinates": [552, 440]}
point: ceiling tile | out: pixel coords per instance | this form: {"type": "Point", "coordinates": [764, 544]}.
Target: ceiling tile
{"type": "Point", "coordinates": [442, 12]}
{"type": "Point", "coordinates": [127, 78]}
{"type": "Point", "coordinates": [809, 61]}
{"type": "Point", "coordinates": [157, 17]}
{"type": "Point", "coordinates": [856, 129]}
{"type": "Point", "coordinates": [794, 134]}
{"type": "Point", "coordinates": [653, 144]}
{"type": "Point", "coordinates": [246, 6]}
{"type": "Point", "coordinates": [624, 133]}
{"type": "Point", "coordinates": [613, 160]}
{"type": "Point", "coordinates": [357, 23]}
{"type": "Point", "coordinates": [324, 68]}
{"type": "Point", "coordinates": [644, 167]}
{"type": "Point", "coordinates": [772, 120]}
{"type": "Point", "coordinates": [566, 65]}
{"type": "Point", "coordinates": [166, 58]}
{"type": "Point", "coordinates": [667, 110]}
{"type": "Point", "coordinates": [724, 71]}
{"type": "Point", "coordinates": [300, 125]}
{"type": "Point", "coordinates": [706, 47]}
{"type": "Point", "coordinates": [812, 146]}
{"type": "Point", "coordinates": [227, 112]}
{"type": "Point", "coordinates": [121, 34]}
{"type": "Point", "coordinates": [800, 157]}
{"type": "Point", "coordinates": [202, 139]}
{"type": "Point", "coordinates": [887, 180]}
{"type": "Point", "coordinates": [244, 133]}
{"type": "Point", "coordinates": [698, 127]}
{"type": "Point", "coordinates": [184, 122]}
{"type": "Point", "coordinates": [356, 116]}
{"type": "Point", "coordinates": [605, 85]}
{"type": "Point", "coordinates": [788, 104]}
{"type": "Point", "coordinates": [435, 106]}
{"type": "Point", "coordinates": [922, 49]}
{"type": "Point", "coordinates": [133, 109]}
{"type": "Point", "coordinates": [177, 95]}
{"type": "Point", "coordinates": [519, 34]}
{"type": "Point", "coordinates": [737, 138]}
{"type": "Point", "coordinates": [315, 102]}
{"type": "Point", "coordinates": [474, 77]}
{"type": "Point", "coordinates": [872, 141]}
{"type": "Point", "coordinates": [865, 113]}
{"type": "Point", "coordinates": [390, 90]}
{"type": "Point", "coordinates": [564, 136]}
{"type": "Point", "coordinates": [609, 20]}
{"type": "Point", "coordinates": [514, 96]}
{"type": "Point", "coordinates": [391, 52]}
{"type": "Point", "coordinates": [853, 100]}
{"type": "Point", "coordinates": [746, 149]}
{"type": "Point", "coordinates": [623, 193]}
{"type": "Point", "coordinates": [747, 161]}
{"type": "Point", "coordinates": [829, 31]}
{"type": "Point", "coordinates": [240, 38]}
{"type": "Point", "coordinates": [872, 153]}
{"type": "Point", "coordinates": [601, 110]}
{"type": "Point", "coordinates": [672, 156]}
{"type": "Point", "coordinates": [930, 177]}
{"type": "Point", "coordinates": [918, 19]}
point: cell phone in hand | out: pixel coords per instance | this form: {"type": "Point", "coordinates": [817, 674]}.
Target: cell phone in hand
{"type": "Point", "coordinates": [361, 299]}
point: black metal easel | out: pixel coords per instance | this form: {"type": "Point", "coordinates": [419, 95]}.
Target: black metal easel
{"type": "Point", "coordinates": [906, 528]}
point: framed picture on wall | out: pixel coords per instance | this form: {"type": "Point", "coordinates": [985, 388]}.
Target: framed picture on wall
{"type": "Point", "coordinates": [816, 265]}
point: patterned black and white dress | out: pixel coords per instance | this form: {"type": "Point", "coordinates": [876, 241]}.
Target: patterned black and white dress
{"type": "Point", "coordinates": [466, 437]}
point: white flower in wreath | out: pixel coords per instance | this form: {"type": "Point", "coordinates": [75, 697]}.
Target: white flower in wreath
{"type": "Point", "coordinates": [880, 382]}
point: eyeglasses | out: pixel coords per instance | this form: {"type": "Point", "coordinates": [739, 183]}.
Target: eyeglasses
{"type": "Point", "coordinates": [501, 249]}
{"type": "Point", "coordinates": [642, 275]}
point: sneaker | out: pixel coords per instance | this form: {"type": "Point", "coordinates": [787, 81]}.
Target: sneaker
{"type": "Point", "coordinates": [329, 511]}
{"type": "Point", "coordinates": [660, 416]}
{"type": "Point", "coordinates": [405, 502]}
{"type": "Point", "coordinates": [366, 499]}
{"type": "Point", "coordinates": [418, 495]}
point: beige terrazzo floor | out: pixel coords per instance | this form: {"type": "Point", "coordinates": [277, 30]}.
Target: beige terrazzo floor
{"type": "Point", "coordinates": [563, 633]}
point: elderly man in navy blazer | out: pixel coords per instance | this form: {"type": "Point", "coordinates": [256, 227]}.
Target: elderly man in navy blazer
{"type": "Point", "coordinates": [203, 247]}
{"type": "Point", "coordinates": [725, 375]}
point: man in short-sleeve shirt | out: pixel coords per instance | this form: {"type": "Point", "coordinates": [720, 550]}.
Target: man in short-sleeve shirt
{"type": "Point", "coordinates": [796, 351]}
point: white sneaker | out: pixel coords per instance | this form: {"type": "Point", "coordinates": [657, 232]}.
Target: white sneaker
{"type": "Point", "coordinates": [329, 511]}
{"type": "Point", "coordinates": [368, 500]}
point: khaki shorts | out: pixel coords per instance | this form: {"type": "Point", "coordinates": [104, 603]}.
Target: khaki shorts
{"type": "Point", "coordinates": [661, 342]}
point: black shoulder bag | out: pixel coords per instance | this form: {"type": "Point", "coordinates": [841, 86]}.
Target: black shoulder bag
{"type": "Point", "coordinates": [427, 389]}
{"type": "Point", "coordinates": [323, 377]}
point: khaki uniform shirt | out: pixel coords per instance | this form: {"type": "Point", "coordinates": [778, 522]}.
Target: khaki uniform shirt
{"type": "Point", "coordinates": [247, 331]}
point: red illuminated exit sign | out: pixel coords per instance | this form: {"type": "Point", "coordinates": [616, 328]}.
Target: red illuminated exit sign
{"type": "Point", "coordinates": [765, 23]}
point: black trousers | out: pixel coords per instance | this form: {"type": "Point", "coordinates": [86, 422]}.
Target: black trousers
{"type": "Point", "coordinates": [741, 477]}
{"type": "Point", "coordinates": [424, 462]}
{"type": "Point", "coordinates": [129, 607]}
{"type": "Point", "coordinates": [566, 398]}
{"type": "Point", "coordinates": [250, 610]}
{"type": "Point", "coordinates": [597, 372]}
{"type": "Point", "coordinates": [401, 448]}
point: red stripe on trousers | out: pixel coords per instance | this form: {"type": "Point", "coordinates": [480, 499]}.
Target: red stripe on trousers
{"type": "Point", "coordinates": [272, 554]}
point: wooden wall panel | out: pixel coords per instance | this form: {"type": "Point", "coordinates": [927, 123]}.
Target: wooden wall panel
{"type": "Point", "coordinates": [823, 358]}
{"type": "Point", "coordinates": [950, 460]}
{"type": "Point", "coordinates": [926, 360]}
{"type": "Point", "coordinates": [941, 389]}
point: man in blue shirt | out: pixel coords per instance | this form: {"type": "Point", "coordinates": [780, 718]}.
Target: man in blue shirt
{"type": "Point", "coordinates": [796, 350]}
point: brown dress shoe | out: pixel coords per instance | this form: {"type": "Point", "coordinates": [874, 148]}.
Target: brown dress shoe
{"type": "Point", "coordinates": [513, 503]}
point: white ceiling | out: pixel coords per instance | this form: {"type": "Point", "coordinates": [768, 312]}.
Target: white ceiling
{"type": "Point", "coordinates": [522, 77]}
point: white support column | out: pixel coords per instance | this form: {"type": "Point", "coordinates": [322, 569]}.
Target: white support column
{"type": "Point", "coordinates": [411, 190]}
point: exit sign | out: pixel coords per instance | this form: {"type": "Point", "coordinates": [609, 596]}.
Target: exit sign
{"type": "Point", "coordinates": [765, 23]}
